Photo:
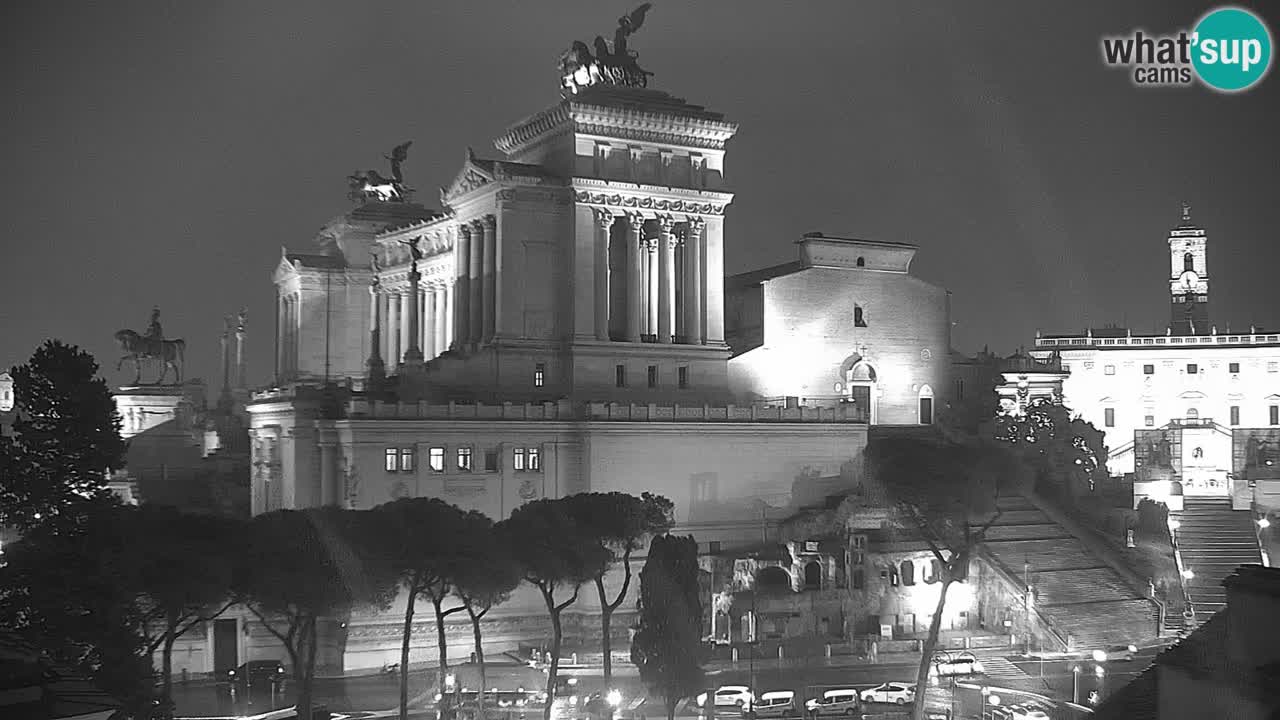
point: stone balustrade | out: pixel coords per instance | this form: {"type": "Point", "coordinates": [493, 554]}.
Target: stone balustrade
{"type": "Point", "coordinates": [1176, 340]}
{"type": "Point", "coordinates": [564, 410]}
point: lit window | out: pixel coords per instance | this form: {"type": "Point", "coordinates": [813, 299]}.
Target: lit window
{"type": "Point", "coordinates": [391, 461]}
{"type": "Point", "coordinates": [491, 461]}
{"type": "Point", "coordinates": [1235, 414]}
{"type": "Point", "coordinates": [436, 459]}
{"type": "Point", "coordinates": [1149, 420]}
{"type": "Point", "coordinates": [1273, 366]}
{"type": "Point", "coordinates": [1148, 369]}
{"type": "Point", "coordinates": [1192, 369]}
{"type": "Point", "coordinates": [1233, 367]}
{"type": "Point", "coordinates": [682, 377]}
{"type": "Point", "coordinates": [859, 319]}
{"type": "Point", "coordinates": [464, 459]}
{"type": "Point", "coordinates": [1109, 417]}
{"type": "Point", "coordinates": [653, 376]}
{"type": "Point", "coordinates": [1275, 414]}
{"type": "Point", "coordinates": [517, 459]}
{"type": "Point", "coordinates": [535, 460]}
{"type": "Point", "coordinates": [539, 375]}
{"type": "Point", "coordinates": [406, 459]}
{"type": "Point", "coordinates": [620, 375]}
{"type": "Point", "coordinates": [1109, 370]}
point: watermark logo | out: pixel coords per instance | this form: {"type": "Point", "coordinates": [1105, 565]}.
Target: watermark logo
{"type": "Point", "coordinates": [1229, 51]}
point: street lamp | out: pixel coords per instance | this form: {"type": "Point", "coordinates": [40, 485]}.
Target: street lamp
{"type": "Point", "coordinates": [982, 707]}
{"type": "Point", "coordinates": [1075, 684]}
{"type": "Point", "coordinates": [1187, 574]}
{"type": "Point", "coordinates": [1263, 523]}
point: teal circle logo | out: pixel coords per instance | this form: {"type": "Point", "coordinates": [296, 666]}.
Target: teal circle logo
{"type": "Point", "coordinates": [1231, 49]}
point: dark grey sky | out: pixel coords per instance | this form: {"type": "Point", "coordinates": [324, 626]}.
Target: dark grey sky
{"type": "Point", "coordinates": [161, 153]}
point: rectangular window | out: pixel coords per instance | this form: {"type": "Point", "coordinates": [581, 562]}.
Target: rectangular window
{"type": "Point", "coordinates": [539, 375]}
{"type": "Point", "coordinates": [653, 376]}
{"type": "Point", "coordinates": [517, 459]}
{"type": "Point", "coordinates": [535, 460]}
{"type": "Point", "coordinates": [1148, 369]}
{"type": "Point", "coordinates": [1109, 370]}
{"type": "Point", "coordinates": [491, 461]}
{"type": "Point", "coordinates": [464, 459]}
{"type": "Point", "coordinates": [406, 459]}
{"type": "Point", "coordinates": [1149, 420]}
{"type": "Point", "coordinates": [1275, 414]}
{"type": "Point", "coordinates": [713, 547]}
{"type": "Point", "coordinates": [1193, 369]}
{"type": "Point", "coordinates": [620, 375]}
{"type": "Point", "coordinates": [959, 389]}
{"type": "Point", "coordinates": [682, 377]}
{"type": "Point", "coordinates": [1235, 414]}
{"type": "Point", "coordinates": [391, 463]}
{"type": "Point", "coordinates": [435, 458]}
{"type": "Point", "coordinates": [1273, 366]}
{"type": "Point", "coordinates": [926, 411]}
{"type": "Point", "coordinates": [1109, 417]}
{"type": "Point", "coordinates": [1233, 367]}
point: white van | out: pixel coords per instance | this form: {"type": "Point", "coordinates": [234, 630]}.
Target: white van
{"type": "Point", "coordinates": [833, 702]}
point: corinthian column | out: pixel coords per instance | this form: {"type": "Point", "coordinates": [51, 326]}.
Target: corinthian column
{"type": "Point", "coordinates": [444, 318]}
{"type": "Point", "coordinates": [635, 276]}
{"type": "Point", "coordinates": [462, 287]}
{"type": "Point", "coordinates": [475, 269]}
{"type": "Point", "coordinates": [429, 312]}
{"type": "Point", "coordinates": [604, 221]}
{"type": "Point", "coordinates": [693, 282]}
{"type": "Point", "coordinates": [393, 327]}
{"type": "Point", "coordinates": [666, 241]}
{"type": "Point", "coordinates": [413, 351]}
{"type": "Point", "coordinates": [489, 285]}
{"type": "Point", "coordinates": [408, 316]}
{"type": "Point", "coordinates": [651, 276]}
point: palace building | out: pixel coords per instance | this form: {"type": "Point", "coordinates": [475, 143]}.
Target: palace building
{"type": "Point", "coordinates": [558, 326]}
{"type": "Point", "coordinates": [1209, 392]}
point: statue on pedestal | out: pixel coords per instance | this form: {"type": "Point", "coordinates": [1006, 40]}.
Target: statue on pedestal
{"type": "Point", "coordinates": [151, 346]}
{"type": "Point", "coordinates": [580, 69]}
{"type": "Point", "coordinates": [371, 185]}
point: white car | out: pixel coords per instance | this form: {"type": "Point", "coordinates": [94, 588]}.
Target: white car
{"type": "Point", "coordinates": [891, 692]}
{"type": "Point", "coordinates": [833, 702]}
{"type": "Point", "coordinates": [729, 696]}
{"type": "Point", "coordinates": [964, 664]}
{"type": "Point", "coordinates": [1116, 653]}
{"type": "Point", "coordinates": [1027, 712]}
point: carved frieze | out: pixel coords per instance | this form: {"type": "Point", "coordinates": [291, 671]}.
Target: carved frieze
{"type": "Point", "coordinates": [649, 203]}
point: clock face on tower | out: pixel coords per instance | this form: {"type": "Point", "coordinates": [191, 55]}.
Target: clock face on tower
{"type": "Point", "coordinates": [1189, 279]}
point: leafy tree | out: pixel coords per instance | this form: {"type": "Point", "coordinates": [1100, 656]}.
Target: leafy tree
{"type": "Point", "coordinates": [66, 436]}
{"type": "Point", "coordinates": [426, 544]}
{"type": "Point", "coordinates": [303, 565]}
{"type": "Point", "coordinates": [946, 494]}
{"type": "Point", "coordinates": [154, 559]}
{"type": "Point", "coordinates": [668, 644]}
{"type": "Point", "coordinates": [60, 591]}
{"type": "Point", "coordinates": [487, 579]}
{"type": "Point", "coordinates": [554, 553]}
{"type": "Point", "coordinates": [620, 522]}
{"type": "Point", "coordinates": [1065, 453]}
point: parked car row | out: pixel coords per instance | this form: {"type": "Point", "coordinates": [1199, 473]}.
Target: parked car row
{"type": "Point", "coordinates": [1033, 710]}
{"type": "Point", "coordinates": [782, 703]}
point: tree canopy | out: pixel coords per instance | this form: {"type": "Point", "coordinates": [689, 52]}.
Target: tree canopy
{"type": "Point", "coordinates": [668, 643]}
{"type": "Point", "coordinates": [1066, 453]}
{"type": "Point", "coordinates": [65, 439]}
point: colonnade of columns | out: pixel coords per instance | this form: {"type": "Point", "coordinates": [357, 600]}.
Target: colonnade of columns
{"type": "Point", "coordinates": [288, 320]}
{"type": "Point", "coordinates": [392, 312]}
{"type": "Point", "coordinates": [664, 274]}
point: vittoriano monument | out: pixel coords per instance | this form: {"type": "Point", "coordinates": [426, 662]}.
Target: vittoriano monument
{"type": "Point", "coordinates": [580, 69]}
{"type": "Point", "coordinates": [151, 346]}
{"type": "Point", "coordinates": [371, 185]}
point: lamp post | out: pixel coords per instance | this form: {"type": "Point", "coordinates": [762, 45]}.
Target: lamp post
{"type": "Point", "coordinates": [1075, 684]}
{"type": "Point", "coordinates": [982, 707]}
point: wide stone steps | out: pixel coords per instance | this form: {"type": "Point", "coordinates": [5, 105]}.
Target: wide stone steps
{"type": "Point", "coordinates": [1214, 540]}
{"type": "Point", "coordinates": [1076, 586]}
{"type": "Point", "coordinates": [1051, 554]}
{"type": "Point", "coordinates": [1099, 624]}
{"type": "Point", "coordinates": [1026, 532]}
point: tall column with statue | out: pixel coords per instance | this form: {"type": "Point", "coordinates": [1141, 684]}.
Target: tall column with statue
{"type": "Point", "coordinates": [377, 369]}
{"type": "Point", "coordinates": [412, 352]}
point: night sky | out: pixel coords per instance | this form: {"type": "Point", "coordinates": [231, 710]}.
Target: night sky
{"type": "Point", "coordinates": [161, 153]}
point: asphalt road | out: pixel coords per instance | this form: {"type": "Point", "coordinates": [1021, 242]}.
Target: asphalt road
{"type": "Point", "coordinates": [369, 697]}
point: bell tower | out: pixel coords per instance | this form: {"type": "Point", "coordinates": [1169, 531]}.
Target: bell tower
{"type": "Point", "coordinates": [1188, 278]}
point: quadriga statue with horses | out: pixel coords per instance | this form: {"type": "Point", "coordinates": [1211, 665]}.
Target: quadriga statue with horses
{"type": "Point", "coordinates": [151, 346]}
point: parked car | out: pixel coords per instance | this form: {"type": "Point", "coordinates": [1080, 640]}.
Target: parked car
{"type": "Point", "coordinates": [833, 702]}
{"type": "Point", "coordinates": [1124, 653]}
{"type": "Point", "coordinates": [776, 704]}
{"type": "Point", "coordinates": [257, 671]}
{"type": "Point", "coordinates": [954, 666]}
{"type": "Point", "coordinates": [1027, 712]}
{"type": "Point", "coordinates": [891, 692]}
{"type": "Point", "coordinates": [729, 696]}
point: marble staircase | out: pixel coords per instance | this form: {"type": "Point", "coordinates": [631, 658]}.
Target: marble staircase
{"type": "Point", "coordinates": [1213, 541]}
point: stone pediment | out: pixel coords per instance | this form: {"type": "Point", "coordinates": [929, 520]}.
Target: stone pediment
{"type": "Point", "coordinates": [1192, 395]}
{"type": "Point", "coordinates": [471, 176]}
{"type": "Point", "coordinates": [285, 267]}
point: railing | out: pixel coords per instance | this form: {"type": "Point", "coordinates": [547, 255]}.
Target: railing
{"type": "Point", "coordinates": [566, 411]}
{"type": "Point", "coordinates": [1130, 340]}
{"type": "Point", "coordinates": [1013, 581]}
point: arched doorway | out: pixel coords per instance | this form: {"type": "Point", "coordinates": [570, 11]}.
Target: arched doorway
{"type": "Point", "coordinates": [925, 401]}
{"type": "Point", "coordinates": [860, 384]}
{"type": "Point", "coordinates": [773, 579]}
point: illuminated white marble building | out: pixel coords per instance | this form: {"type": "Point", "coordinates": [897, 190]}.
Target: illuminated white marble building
{"type": "Point", "coordinates": [1218, 388]}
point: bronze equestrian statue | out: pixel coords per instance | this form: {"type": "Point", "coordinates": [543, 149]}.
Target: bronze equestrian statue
{"type": "Point", "coordinates": [151, 346]}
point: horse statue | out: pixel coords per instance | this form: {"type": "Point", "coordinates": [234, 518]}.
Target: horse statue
{"type": "Point", "coordinates": [137, 348]}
